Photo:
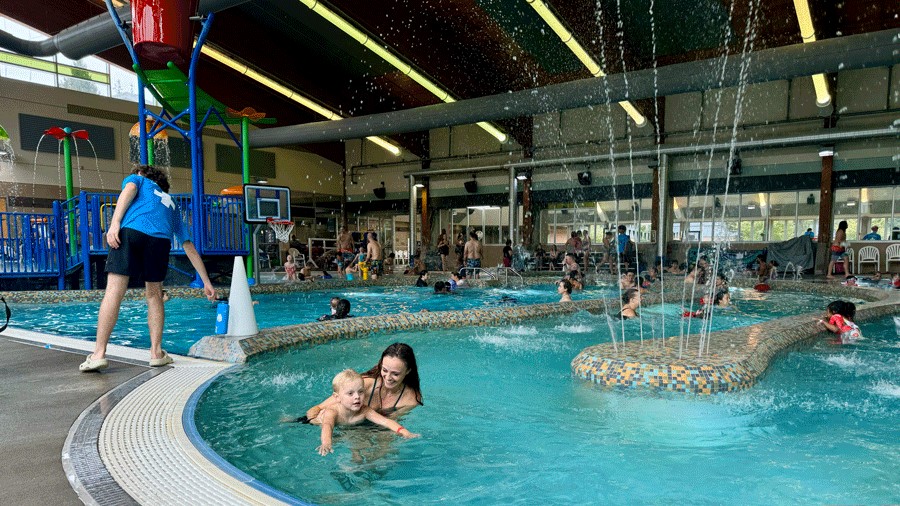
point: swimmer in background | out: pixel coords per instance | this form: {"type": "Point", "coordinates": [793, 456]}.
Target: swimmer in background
{"type": "Point", "coordinates": [340, 311]}
{"type": "Point", "coordinates": [631, 301]}
{"type": "Point", "coordinates": [290, 269]}
{"type": "Point", "coordinates": [839, 317]}
{"type": "Point", "coordinates": [422, 280]}
{"type": "Point", "coordinates": [564, 289]}
{"type": "Point", "coordinates": [454, 281]}
{"type": "Point", "coordinates": [349, 409]}
{"type": "Point", "coordinates": [440, 287]}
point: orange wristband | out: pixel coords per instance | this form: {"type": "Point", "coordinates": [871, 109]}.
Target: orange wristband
{"type": "Point", "coordinates": [401, 428]}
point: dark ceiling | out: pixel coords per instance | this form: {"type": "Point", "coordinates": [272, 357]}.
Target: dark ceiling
{"type": "Point", "coordinates": [471, 47]}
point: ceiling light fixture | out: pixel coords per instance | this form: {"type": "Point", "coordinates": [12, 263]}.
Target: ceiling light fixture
{"type": "Point", "coordinates": [827, 150]}
{"type": "Point", "coordinates": [273, 85]}
{"type": "Point", "coordinates": [393, 59]}
{"type": "Point", "coordinates": [569, 40]}
{"type": "Point", "coordinates": [808, 34]}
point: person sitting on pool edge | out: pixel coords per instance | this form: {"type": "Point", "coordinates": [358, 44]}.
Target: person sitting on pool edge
{"type": "Point", "coordinates": [393, 384]}
{"type": "Point", "coordinates": [348, 409]}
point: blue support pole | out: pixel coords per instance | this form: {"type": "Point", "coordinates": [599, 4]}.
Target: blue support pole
{"type": "Point", "coordinates": [85, 239]}
{"type": "Point", "coordinates": [60, 244]}
{"type": "Point", "coordinates": [197, 187]}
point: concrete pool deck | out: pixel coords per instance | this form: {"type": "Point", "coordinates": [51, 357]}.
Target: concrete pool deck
{"type": "Point", "coordinates": [130, 443]}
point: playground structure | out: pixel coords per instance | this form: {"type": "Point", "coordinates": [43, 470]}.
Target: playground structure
{"type": "Point", "coordinates": [59, 244]}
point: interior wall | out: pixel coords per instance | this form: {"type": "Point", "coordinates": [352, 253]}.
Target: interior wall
{"type": "Point", "coordinates": [40, 176]}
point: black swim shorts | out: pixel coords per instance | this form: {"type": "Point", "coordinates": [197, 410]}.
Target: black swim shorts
{"type": "Point", "coordinates": [140, 255]}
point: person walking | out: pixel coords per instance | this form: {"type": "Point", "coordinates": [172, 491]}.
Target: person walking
{"type": "Point", "coordinates": [139, 237]}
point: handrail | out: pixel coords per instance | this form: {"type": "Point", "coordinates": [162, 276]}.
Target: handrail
{"type": "Point", "coordinates": [506, 271]}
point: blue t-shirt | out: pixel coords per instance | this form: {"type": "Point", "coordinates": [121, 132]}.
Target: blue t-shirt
{"type": "Point", "coordinates": [810, 234]}
{"type": "Point", "coordinates": [153, 212]}
{"type": "Point", "coordinates": [623, 240]}
{"type": "Point", "coordinates": [872, 236]}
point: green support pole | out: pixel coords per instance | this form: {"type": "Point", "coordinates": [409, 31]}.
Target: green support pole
{"type": "Point", "coordinates": [150, 156]}
{"type": "Point", "coordinates": [70, 192]}
{"type": "Point", "coordinates": [245, 163]}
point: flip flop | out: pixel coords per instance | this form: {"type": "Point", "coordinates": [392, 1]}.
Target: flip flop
{"type": "Point", "coordinates": [93, 364]}
{"type": "Point", "coordinates": [165, 359]}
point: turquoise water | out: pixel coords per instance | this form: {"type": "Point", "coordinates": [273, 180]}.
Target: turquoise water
{"type": "Point", "coordinates": [504, 422]}
{"type": "Point", "coordinates": [188, 320]}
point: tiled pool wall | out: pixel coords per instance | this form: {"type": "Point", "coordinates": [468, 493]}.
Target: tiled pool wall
{"type": "Point", "coordinates": [56, 296]}
{"type": "Point", "coordinates": [734, 359]}
{"type": "Point", "coordinates": [731, 360]}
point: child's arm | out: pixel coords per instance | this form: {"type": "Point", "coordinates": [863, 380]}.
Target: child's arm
{"type": "Point", "coordinates": [314, 411]}
{"type": "Point", "coordinates": [328, 420]}
{"type": "Point", "coordinates": [829, 326]}
{"type": "Point", "coordinates": [384, 421]}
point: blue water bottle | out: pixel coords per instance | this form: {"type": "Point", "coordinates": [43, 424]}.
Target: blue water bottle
{"type": "Point", "coordinates": [222, 318]}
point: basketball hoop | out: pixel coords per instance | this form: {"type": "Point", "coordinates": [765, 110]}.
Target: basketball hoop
{"type": "Point", "coordinates": [282, 229]}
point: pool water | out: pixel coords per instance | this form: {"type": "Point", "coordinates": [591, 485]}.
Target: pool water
{"type": "Point", "coordinates": [505, 422]}
{"type": "Point", "coordinates": [188, 320]}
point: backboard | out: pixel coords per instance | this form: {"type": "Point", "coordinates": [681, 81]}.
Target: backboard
{"type": "Point", "coordinates": [263, 201]}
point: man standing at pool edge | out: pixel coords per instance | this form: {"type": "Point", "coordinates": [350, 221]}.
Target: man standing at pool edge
{"type": "Point", "coordinates": [139, 237]}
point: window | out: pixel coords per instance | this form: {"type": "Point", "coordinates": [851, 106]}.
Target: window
{"type": "Point", "coordinates": [558, 223]}
{"type": "Point", "coordinates": [89, 74]}
{"type": "Point", "coordinates": [747, 217]}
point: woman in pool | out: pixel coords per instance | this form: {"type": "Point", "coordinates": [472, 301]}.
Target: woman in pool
{"type": "Point", "coordinates": [392, 385]}
{"type": "Point", "coordinates": [631, 301]}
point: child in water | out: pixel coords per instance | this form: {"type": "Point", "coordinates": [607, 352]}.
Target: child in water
{"type": "Point", "coordinates": [350, 410]}
{"type": "Point", "coordinates": [839, 319]}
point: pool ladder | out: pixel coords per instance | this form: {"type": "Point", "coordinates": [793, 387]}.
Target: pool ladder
{"type": "Point", "coordinates": [495, 274]}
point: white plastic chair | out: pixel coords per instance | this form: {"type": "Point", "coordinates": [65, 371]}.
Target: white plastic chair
{"type": "Point", "coordinates": [867, 255]}
{"type": "Point", "coordinates": [891, 254]}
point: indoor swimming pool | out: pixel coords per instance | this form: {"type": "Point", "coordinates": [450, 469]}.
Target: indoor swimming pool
{"type": "Point", "coordinates": [188, 320]}
{"type": "Point", "coordinates": [504, 419]}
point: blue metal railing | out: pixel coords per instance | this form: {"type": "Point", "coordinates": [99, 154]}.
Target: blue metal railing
{"type": "Point", "coordinates": [28, 245]}
{"type": "Point", "coordinates": [37, 244]}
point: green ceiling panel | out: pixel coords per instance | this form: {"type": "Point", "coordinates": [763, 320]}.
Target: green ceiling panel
{"type": "Point", "coordinates": [522, 24]}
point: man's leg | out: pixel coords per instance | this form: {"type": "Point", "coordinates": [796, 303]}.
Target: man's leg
{"type": "Point", "coordinates": [156, 317]}
{"type": "Point", "coordinates": [116, 284]}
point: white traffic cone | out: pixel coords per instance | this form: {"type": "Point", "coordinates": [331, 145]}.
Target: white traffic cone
{"type": "Point", "coordinates": [241, 318]}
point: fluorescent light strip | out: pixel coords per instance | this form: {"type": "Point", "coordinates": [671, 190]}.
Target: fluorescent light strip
{"type": "Point", "coordinates": [394, 60]}
{"type": "Point", "coordinates": [568, 39]}
{"type": "Point", "coordinates": [287, 92]}
{"type": "Point", "coordinates": [808, 34]}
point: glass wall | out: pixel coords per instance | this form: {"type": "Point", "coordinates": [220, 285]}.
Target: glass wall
{"type": "Point", "coordinates": [88, 75]}
{"type": "Point", "coordinates": [747, 217]}
{"type": "Point", "coordinates": [491, 221]}
{"type": "Point", "coordinates": [559, 221]}
{"type": "Point", "coordinates": [864, 208]}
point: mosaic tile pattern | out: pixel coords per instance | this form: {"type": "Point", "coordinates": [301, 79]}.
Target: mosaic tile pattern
{"type": "Point", "coordinates": [733, 359]}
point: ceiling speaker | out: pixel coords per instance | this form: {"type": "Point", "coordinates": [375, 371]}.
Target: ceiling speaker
{"type": "Point", "coordinates": [380, 192]}
{"type": "Point", "coordinates": [471, 186]}
{"type": "Point", "coordinates": [735, 167]}
{"type": "Point", "coordinates": [584, 178]}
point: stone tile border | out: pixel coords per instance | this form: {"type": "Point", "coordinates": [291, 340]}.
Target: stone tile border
{"type": "Point", "coordinates": [735, 359]}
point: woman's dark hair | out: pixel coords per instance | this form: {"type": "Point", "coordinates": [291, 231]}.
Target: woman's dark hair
{"type": "Point", "coordinates": [153, 174]}
{"type": "Point", "coordinates": [342, 310]}
{"type": "Point", "coordinates": [842, 225]}
{"type": "Point", "coordinates": [441, 287]}
{"type": "Point", "coordinates": [629, 294]}
{"type": "Point", "coordinates": [423, 274]}
{"type": "Point", "coordinates": [405, 353]}
{"type": "Point", "coordinates": [567, 285]}
{"type": "Point", "coordinates": [719, 296]}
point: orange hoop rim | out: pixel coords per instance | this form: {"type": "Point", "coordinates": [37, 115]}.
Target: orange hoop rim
{"type": "Point", "coordinates": [273, 221]}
